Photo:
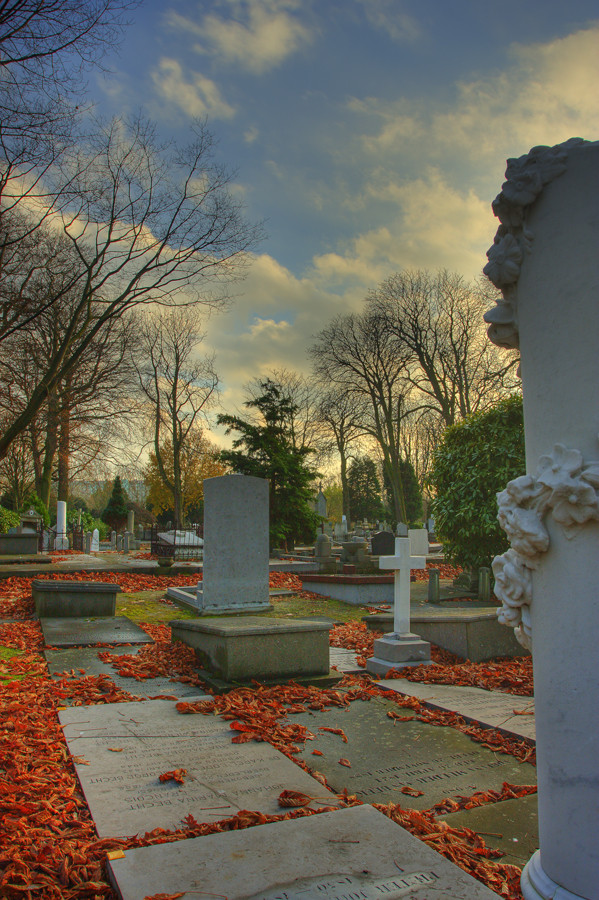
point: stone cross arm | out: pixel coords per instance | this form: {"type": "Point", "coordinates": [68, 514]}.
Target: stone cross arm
{"type": "Point", "coordinates": [402, 558]}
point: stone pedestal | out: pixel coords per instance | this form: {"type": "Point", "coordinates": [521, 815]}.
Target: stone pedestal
{"type": "Point", "coordinates": [396, 651]}
{"type": "Point", "coordinates": [546, 261]}
{"type": "Point", "coordinates": [253, 647]}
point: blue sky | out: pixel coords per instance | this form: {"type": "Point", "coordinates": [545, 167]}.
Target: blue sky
{"type": "Point", "coordinates": [370, 135]}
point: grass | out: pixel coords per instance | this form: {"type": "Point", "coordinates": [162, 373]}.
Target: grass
{"type": "Point", "coordinates": [6, 675]}
{"type": "Point", "coordinates": [145, 606]}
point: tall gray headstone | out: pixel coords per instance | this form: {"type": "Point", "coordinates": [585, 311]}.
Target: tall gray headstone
{"type": "Point", "coordinates": [235, 572]}
{"type": "Point", "coordinates": [88, 541]}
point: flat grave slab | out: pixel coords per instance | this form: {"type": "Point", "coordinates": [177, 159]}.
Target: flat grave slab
{"type": "Point", "coordinates": [387, 754]}
{"type": "Point", "coordinates": [510, 713]}
{"type": "Point", "coordinates": [67, 632]}
{"type": "Point", "coordinates": [510, 826]}
{"type": "Point", "coordinates": [123, 789]}
{"type": "Point", "coordinates": [86, 658]}
{"type": "Point", "coordinates": [344, 660]}
{"type": "Point", "coordinates": [351, 853]}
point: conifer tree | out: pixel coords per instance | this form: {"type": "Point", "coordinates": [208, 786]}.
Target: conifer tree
{"type": "Point", "coordinates": [115, 513]}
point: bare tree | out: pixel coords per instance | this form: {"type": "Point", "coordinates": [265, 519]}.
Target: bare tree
{"type": "Point", "coordinates": [146, 224]}
{"type": "Point", "coordinates": [179, 387]}
{"type": "Point", "coordinates": [303, 423]}
{"type": "Point", "coordinates": [437, 324]}
{"type": "Point", "coordinates": [343, 415]}
{"type": "Point", "coordinates": [82, 408]}
{"type": "Point", "coordinates": [359, 356]}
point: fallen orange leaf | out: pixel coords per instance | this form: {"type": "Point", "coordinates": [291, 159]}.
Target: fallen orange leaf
{"type": "Point", "coordinates": [345, 762]}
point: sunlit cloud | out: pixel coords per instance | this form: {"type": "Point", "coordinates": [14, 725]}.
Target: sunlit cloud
{"type": "Point", "coordinates": [196, 95]}
{"type": "Point", "coordinates": [259, 35]}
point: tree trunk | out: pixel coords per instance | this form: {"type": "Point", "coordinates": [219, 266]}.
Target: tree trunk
{"type": "Point", "coordinates": [344, 485]}
{"type": "Point", "coordinates": [64, 442]}
{"type": "Point", "coordinates": [50, 446]}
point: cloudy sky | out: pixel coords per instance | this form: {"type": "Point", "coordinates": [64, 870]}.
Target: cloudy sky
{"type": "Point", "coordinates": [370, 135]}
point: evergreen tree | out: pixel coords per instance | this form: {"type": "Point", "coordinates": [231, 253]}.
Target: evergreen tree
{"type": "Point", "coordinates": [115, 512]}
{"type": "Point", "coordinates": [474, 461]}
{"type": "Point", "coordinates": [411, 492]}
{"type": "Point", "coordinates": [365, 501]}
{"type": "Point", "coordinates": [265, 449]}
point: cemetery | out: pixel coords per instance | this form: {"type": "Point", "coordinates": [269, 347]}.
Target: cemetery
{"type": "Point", "coordinates": [331, 633]}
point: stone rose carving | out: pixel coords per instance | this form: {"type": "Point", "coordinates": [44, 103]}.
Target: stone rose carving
{"type": "Point", "coordinates": [526, 177]}
{"type": "Point", "coordinates": [563, 487]}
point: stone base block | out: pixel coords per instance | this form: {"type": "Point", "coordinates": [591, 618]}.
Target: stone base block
{"type": "Point", "coordinates": [358, 590]}
{"type": "Point", "coordinates": [247, 607]}
{"type": "Point", "coordinates": [21, 544]}
{"type": "Point", "coordinates": [74, 599]}
{"type": "Point", "coordinates": [537, 885]}
{"type": "Point", "coordinates": [257, 647]}
{"type": "Point", "coordinates": [475, 634]}
{"type": "Point", "coordinates": [395, 651]}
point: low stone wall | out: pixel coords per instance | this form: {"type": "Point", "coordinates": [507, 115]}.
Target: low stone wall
{"type": "Point", "coordinates": [357, 590]}
{"type": "Point", "coordinates": [74, 599]}
{"type": "Point", "coordinates": [474, 634]}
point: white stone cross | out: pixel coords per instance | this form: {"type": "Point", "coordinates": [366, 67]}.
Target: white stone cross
{"type": "Point", "coordinates": [402, 564]}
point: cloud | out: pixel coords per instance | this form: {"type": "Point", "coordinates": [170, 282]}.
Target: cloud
{"type": "Point", "coordinates": [259, 37]}
{"type": "Point", "coordinates": [386, 15]}
{"type": "Point", "coordinates": [196, 97]}
{"type": "Point", "coordinates": [432, 171]}
{"type": "Point", "coordinates": [546, 96]}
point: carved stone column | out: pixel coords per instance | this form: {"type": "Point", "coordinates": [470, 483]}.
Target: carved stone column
{"type": "Point", "coordinates": [546, 261]}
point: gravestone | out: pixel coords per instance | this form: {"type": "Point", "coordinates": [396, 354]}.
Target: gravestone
{"type": "Point", "coordinates": [78, 599]}
{"type": "Point", "coordinates": [383, 543]}
{"type": "Point", "coordinates": [322, 548]}
{"type": "Point", "coordinates": [418, 541]}
{"type": "Point", "coordinates": [95, 541]}
{"type": "Point", "coordinates": [401, 530]}
{"type": "Point", "coordinates": [544, 260]}
{"type": "Point", "coordinates": [235, 571]}
{"type": "Point", "coordinates": [123, 790]}
{"type": "Point", "coordinates": [387, 754]}
{"type": "Point", "coordinates": [71, 632]}
{"type": "Point", "coordinates": [321, 503]}
{"type": "Point", "coordinates": [350, 854]}
{"type": "Point", "coordinates": [119, 542]}
{"type": "Point", "coordinates": [130, 520]}
{"type": "Point", "coordinates": [401, 647]}
{"type": "Point", "coordinates": [61, 541]}
{"type": "Point", "coordinates": [88, 542]}
{"type": "Point", "coordinates": [113, 540]}
{"type": "Point", "coordinates": [434, 590]}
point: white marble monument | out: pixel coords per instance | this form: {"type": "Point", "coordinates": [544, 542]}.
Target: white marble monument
{"type": "Point", "coordinates": [400, 648]}
{"type": "Point", "coordinates": [545, 260]}
{"type": "Point", "coordinates": [61, 541]}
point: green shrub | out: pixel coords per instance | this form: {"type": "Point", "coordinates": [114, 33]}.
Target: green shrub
{"type": "Point", "coordinates": [32, 501]}
{"type": "Point", "coordinates": [474, 461]}
{"type": "Point", "coordinates": [89, 522]}
{"type": "Point", "coordinates": [8, 519]}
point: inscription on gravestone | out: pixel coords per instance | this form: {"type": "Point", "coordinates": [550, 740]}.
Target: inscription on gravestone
{"type": "Point", "coordinates": [123, 789]}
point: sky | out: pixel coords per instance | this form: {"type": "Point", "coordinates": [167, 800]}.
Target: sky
{"type": "Point", "coordinates": [370, 136]}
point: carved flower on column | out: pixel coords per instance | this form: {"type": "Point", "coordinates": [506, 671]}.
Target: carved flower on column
{"type": "Point", "coordinates": [503, 328]}
{"type": "Point", "coordinates": [505, 259]}
{"type": "Point", "coordinates": [513, 584]}
{"type": "Point", "coordinates": [573, 498]}
{"type": "Point", "coordinates": [524, 181]}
